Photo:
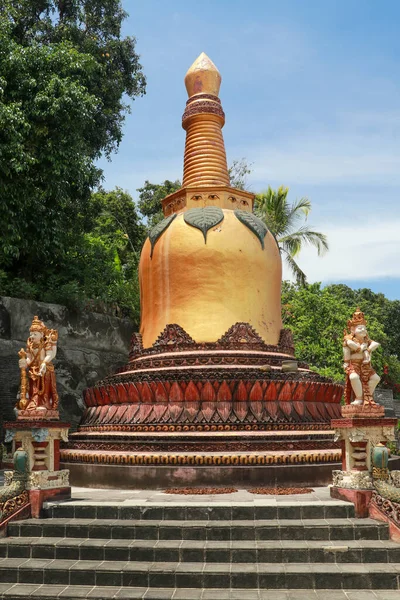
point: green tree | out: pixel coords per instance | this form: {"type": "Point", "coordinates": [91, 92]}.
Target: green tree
{"type": "Point", "coordinates": [317, 317]}
{"type": "Point", "coordinates": [65, 72]}
{"type": "Point", "coordinates": [391, 320]}
{"type": "Point", "coordinates": [284, 221]}
{"type": "Point", "coordinates": [114, 212]}
{"type": "Point", "coordinates": [150, 196]}
{"type": "Point", "coordinates": [238, 172]}
{"type": "Point", "coordinates": [98, 268]}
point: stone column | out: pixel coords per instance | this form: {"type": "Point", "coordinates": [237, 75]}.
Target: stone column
{"type": "Point", "coordinates": [359, 432]}
{"type": "Point", "coordinates": [41, 441]}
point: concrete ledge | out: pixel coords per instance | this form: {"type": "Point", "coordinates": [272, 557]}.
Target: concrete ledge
{"type": "Point", "coordinates": [360, 498]}
{"type": "Point", "coordinates": [394, 528]}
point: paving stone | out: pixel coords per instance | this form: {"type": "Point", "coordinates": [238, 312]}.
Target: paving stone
{"type": "Point", "coordinates": [244, 595]}
{"type": "Point", "coordinates": [103, 592]}
{"type": "Point", "coordinates": [302, 595]}
{"type": "Point", "coordinates": [188, 594]}
{"type": "Point", "coordinates": [74, 591]}
{"type": "Point", "coordinates": [274, 595]}
{"type": "Point", "coordinates": [216, 594]}
{"type": "Point", "coordinates": [364, 595]}
{"type": "Point", "coordinates": [48, 591]}
{"type": "Point", "coordinates": [132, 593]}
{"type": "Point", "coordinates": [159, 594]}
{"type": "Point", "coordinates": [330, 595]}
{"type": "Point", "coordinates": [5, 586]}
{"type": "Point", "coordinates": [22, 590]}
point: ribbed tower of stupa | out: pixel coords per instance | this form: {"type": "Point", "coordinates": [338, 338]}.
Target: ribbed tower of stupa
{"type": "Point", "coordinates": [205, 158]}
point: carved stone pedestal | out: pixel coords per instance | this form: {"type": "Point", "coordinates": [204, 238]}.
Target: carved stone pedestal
{"type": "Point", "coordinates": [358, 435]}
{"type": "Point", "coordinates": [41, 440]}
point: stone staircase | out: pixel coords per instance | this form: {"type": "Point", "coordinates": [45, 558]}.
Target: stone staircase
{"type": "Point", "coordinates": [284, 552]}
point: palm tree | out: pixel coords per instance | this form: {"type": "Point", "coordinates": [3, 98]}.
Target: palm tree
{"type": "Point", "coordinates": [283, 220]}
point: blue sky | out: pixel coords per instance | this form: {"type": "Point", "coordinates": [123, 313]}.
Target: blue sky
{"type": "Point", "coordinates": [311, 92]}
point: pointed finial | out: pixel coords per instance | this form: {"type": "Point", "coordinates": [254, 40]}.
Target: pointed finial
{"type": "Point", "coordinates": [203, 77]}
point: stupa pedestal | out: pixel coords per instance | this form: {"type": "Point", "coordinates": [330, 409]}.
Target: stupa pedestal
{"type": "Point", "coordinates": [360, 429]}
{"type": "Point", "coordinates": [207, 414]}
{"type": "Point", "coordinates": [41, 440]}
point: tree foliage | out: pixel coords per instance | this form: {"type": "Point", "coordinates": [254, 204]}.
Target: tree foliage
{"type": "Point", "coordinates": [284, 220]}
{"type": "Point", "coordinates": [65, 72]}
{"type": "Point", "coordinates": [150, 196]}
{"type": "Point", "coordinates": [317, 317]}
{"type": "Point", "coordinates": [238, 172]}
{"type": "Point", "coordinates": [98, 269]}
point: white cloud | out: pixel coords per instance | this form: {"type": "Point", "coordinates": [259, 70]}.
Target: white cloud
{"type": "Point", "coordinates": [358, 251]}
{"type": "Point", "coordinates": [360, 147]}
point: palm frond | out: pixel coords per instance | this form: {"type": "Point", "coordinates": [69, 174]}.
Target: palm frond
{"type": "Point", "coordinates": [291, 245]}
{"type": "Point", "coordinates": [272, 208]}
{"type": "Point", "coordinates": [299, 210]}
{"type": "Point", "coordinates": [283, 220]}
{"type": "Point", "coordinates": [304, 235]}
{"type": "Point", "coordinates": [299, 275]}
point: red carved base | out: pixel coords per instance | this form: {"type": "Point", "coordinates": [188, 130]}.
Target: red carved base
{"type": "Point", "coordinates": [37, 497]}
{"type": "Point", "coordinates": [36, 424]}
{"type": "Point", "coordinates": [367, 411]}
{"type": "Point", "coordinates": [209, 396]}
{"type": "Point", "coordinates": [180, 388]}
{"type": "Point", "coordinates": [23, 513]}
{"type": "Point", "coordinates": [38, 414]}
{"type": "Point", "coordinates": [360, 498]}
{"type": "Point", "coordinates": [394, 529]}
{"type": "Point", "coordinates": [354, 422]}
{"type": "Point", "coordinates": [236, 381]}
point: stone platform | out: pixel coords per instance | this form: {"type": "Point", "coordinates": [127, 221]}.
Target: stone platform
{"type": "Point", "coordinates": [119, 499]}
{"type": "Point", "coordinates": [204, 458]}
{"type": "Point", "coordinates": [202, 413]}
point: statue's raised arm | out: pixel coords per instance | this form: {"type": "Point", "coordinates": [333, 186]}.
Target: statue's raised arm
{"type": "Point", "coordinates": [361, 379]}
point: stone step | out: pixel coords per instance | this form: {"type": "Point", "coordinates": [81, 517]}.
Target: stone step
{"type": "Point", "coordinates": [262, 509]}
{"type": "Point", "coordinates": [286, 551]}
{"type": "Point", "coordinates": [16, 591]}
{"type": "Point", "coordinates": [199, 575]}
{"type": "Point", "coordinates": [290, 529]}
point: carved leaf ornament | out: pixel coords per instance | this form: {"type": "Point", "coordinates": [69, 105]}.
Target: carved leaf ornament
{"type": "Point", "coordinates": [253, 223]}
{"type": "Point", "coordinates": [204, 218]}
{"type": "Point", "coordinates": [158, 230]}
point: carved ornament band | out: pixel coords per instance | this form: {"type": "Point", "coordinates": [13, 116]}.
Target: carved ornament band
{"type": "Point", "coordinates": [198, 97]}
{"type": "Point", "coordinates": [203, 107]}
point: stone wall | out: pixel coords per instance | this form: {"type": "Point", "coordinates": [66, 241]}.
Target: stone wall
{"type": "Point", "coordinates": [90, 346]}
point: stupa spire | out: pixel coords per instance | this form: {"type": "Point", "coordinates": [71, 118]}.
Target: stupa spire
{"type": "Point", "coordinates": [203, 119]}
{"type": "Point", "coordinates": [203, 77]}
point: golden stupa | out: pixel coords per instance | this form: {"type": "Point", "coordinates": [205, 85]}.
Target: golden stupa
{"type": "Point", "coordinates": [211, 385]}
{"type": "Point", "coordinates": [209, 270]}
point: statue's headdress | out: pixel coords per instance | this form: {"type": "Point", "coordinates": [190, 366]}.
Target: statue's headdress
{"type": "Point", "coordinates": [357, 319]}
{"type": "Point", "coordinates": [38, 325]}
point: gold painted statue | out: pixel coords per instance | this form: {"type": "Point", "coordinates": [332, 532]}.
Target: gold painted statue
{"type": "Point", "coordinates": [38, 392]}
{"type": "Point", "coordinates": [361, 379]}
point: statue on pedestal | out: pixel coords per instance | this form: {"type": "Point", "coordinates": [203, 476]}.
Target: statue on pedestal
{"type": "Point", "coordinates": [361, 379]}
{"type": "Point", "coordinates": [38, 392]}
